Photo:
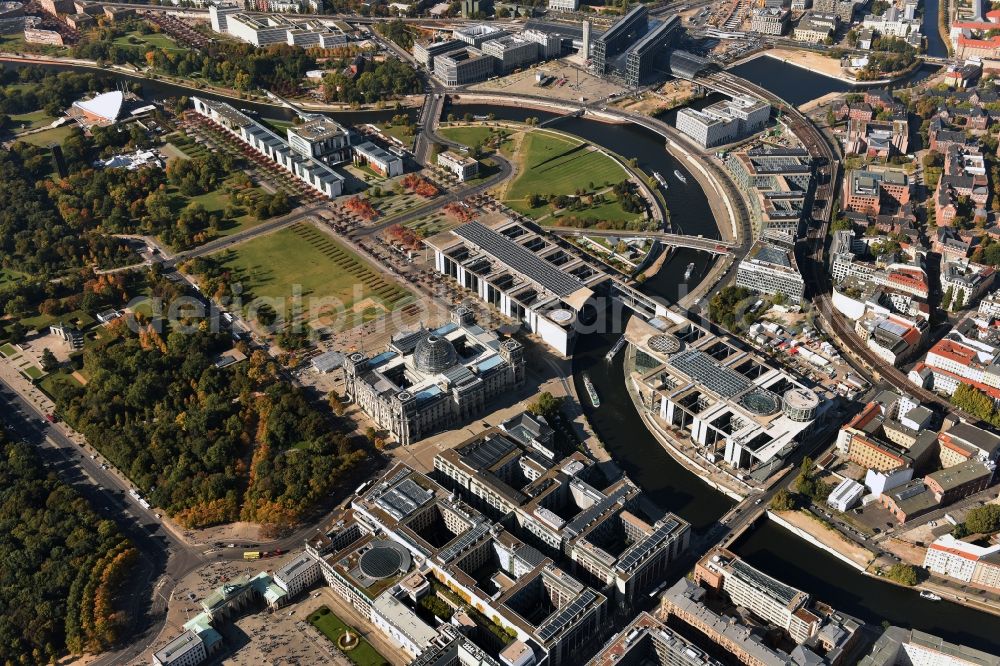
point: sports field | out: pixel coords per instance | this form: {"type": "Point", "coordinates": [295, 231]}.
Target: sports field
{"type": "Point", "coordinates": [337, 288]}
{"type": "Point", "coordinates": [557, 164]}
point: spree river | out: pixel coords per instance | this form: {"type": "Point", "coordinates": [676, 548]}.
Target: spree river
{"type": "Point", "coordinates": [668, 484]}
{"type": "Point", "coordinates": [768, 547]}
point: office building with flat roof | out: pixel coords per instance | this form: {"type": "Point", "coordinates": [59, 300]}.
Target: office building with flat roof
{"type": "Point", "coordinates": [511, 52]}
{"type": "Point", "coordinates": [549, 44]}
{"type": "Point", "coordinates": [476, 35]}
{"type": "Point", "coordinates": [770, 268]}
{"type": "Point", "coordinates": [735, 405]}
{"type": "Point", "coordinates": [314, 173]}
{"type": "Point", "coordinates": [876, 192]}
{"type": "Point", "coordinates": [528, 277]}
{"type": "Point", "coordinates": [605, 533]}
{"type": "Point", "coordinates": [814, 27]}
{"type": "Point", "coordinates": [429, 380]}
{"type": "Point", "coordinates": [764, 596]}
{"type": "Point", "coordinates": [833, 639]}
{"type": "Point", "coordinates": [378, 159]}
{"type": "Point", "coordinates": [297, 575]}
{"type": "Point", "coordinates": [425, 53]}
{"type": "Point", "coordinates": [218, 13]}
{"type": "Point", "coordinates": [187, 649]}
{"type": "Point", "coordinates": [776, 182]}
{"type": "Point", "coordinates": [463, 66]}
{"type": "Point", "coordinates": [769, 20]}
{"type": "Point", "coordinates": [511, 584]}
{"type": "Point", "coordinates": [725, 121]}
{"type": "Point", "coordinates": [463, 166]}
{"type": "Point", "coordinates": [321, 138]}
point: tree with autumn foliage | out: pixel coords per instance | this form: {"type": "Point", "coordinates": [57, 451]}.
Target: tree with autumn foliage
{"type": "Point", "coordinates": [66, 564]}
{"type": "Point", "coordinates": [419, 185]}
{"type": "Point", "coordinates": [209, 445]}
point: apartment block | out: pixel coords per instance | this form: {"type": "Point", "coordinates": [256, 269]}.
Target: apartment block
{"type": "Point", "coordinates": [967, 562]}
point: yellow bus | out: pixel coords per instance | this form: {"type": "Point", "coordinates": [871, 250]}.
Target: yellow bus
{"type": "Point", "coordinates": [251, 555]}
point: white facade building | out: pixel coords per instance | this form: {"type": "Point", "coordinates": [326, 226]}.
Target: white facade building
{"type": "Point", "coordinates": [185, 650]}
{"type": "Point", "coordinates": [725, 121]}
{"type": "Point", "coordinates": [463, 166]}
{"type": "Point", "coordinates": [317, 175]}
{"type": "Point", "coordinates": [845, 495]}
{"type": "Point", "coordinates": [298, 574]}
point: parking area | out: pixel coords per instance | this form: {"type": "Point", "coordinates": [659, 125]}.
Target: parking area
{"type": "Point", "coordinates": [563, 81]}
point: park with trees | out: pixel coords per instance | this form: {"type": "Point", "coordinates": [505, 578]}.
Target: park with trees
{"type": "Point", "coordinates": [62, 564]}
{"type": "Point", "coordinates": [210, 445]}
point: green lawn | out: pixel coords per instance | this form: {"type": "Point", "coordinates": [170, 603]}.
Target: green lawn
{"type": "Point", "coordinates": [333, 628]}
{"type": "Point", "coordinates": [402, 132]}
{"type": "Point", "coordinates": [555, 164]}
{"type": "Point", "coordinates": [9, 278]}
{"type": "Point", "coordinates": [467, 136]}
{"type": "Point", "coordinates": [610, 211]}
{"type": "Point", "coordinates": [49, 136]}
{"type": "Point", "coordinates": [435, 224]}
{"type": "Point", "coordinates": [33, 372]}
{"type": "Point", "coordinates": [31, 120]}
{"type": "Point", "coordinates": [310, 261]}
{"type": "Point", "coordinates": [54, 383]}
{"type": "Point", "coordinates": [155, 40]}
{"type": "Point", "coordinates": [79, 318]}
{"type": "Point", "coordinates": [13, 42]}
{"type": "Point", "coordinates": [279, 127]}
{"type": "Point", "coordinates": [8, 350]}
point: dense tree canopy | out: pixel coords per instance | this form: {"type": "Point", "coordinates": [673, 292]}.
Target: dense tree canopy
{"type": "Point", "coordinates": [983, 519]}
{"type": "Point", "coordinates": [34, 238]}
{"type": "Point", "coordinates": [279, 68]}
{"type": "Point", "coordinates": [386, 80]}
{"type": "Point", "coordinates": [724, 307]}
{"type": "Point", "coordinates": [210, 445]}
{"type": "Point", "coordinates": [60, 564]}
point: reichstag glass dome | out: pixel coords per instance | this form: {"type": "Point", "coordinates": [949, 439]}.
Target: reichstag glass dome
{"type": "Point", "coordinates": [434, 354]}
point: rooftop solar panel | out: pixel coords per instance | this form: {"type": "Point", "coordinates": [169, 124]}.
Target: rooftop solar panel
{"type": "Point", "coordinates": [585, 517]}
{"type": "Point", "coordinates": [403, 499]}
{"type": "Point", "coordinates": [639, 551]}
{"type": "Point", "coordinates": [785, 594]}
{"type": "Point", "coordinates": [487, 452]}
{"type": "Point", "coordinates": [704, 370]}
{"type": "Point", "coordinates": [466, 539]}
{"type": "Point", "coordinates": [519, 259]}
{"type": "Point", "coordinates": [565, 615]}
